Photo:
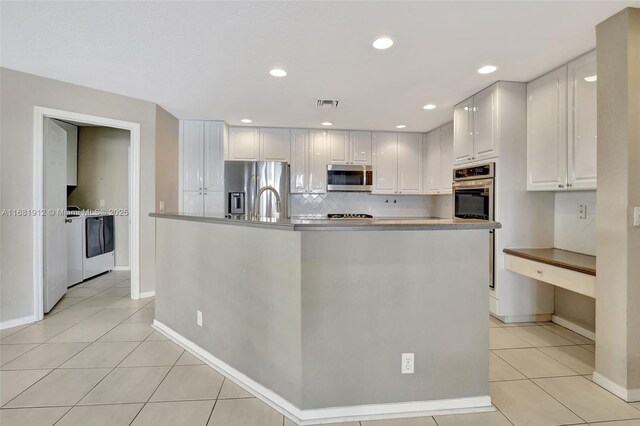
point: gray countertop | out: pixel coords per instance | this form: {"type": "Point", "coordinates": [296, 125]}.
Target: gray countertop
{"type": "Point", "coordinates": [376, 224]}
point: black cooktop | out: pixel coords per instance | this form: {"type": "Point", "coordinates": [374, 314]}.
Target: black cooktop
{"type": "Point", "coordinates": [349, 216]}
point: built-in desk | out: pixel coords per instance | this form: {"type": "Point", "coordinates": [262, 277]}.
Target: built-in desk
{"type": "Point", "coordinates": [562, 268]}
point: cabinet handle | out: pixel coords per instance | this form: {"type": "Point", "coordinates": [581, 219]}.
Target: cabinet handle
{"type": "Point", "coordinates": [569, 185]}
{"type": "Point", "coordinates": [561, 186]}
{"type": "Point", "coordinates": [539, 271]}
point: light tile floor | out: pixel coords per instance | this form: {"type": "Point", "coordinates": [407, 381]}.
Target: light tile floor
{"type": "Point", "coordinates": [95, 360]}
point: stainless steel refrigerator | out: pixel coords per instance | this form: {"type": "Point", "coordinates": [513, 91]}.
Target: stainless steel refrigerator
{"type": "Point", "coordinates": [256, 189]}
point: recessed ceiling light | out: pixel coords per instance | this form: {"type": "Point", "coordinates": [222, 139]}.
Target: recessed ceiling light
{"type": "Point", "coordinates": [487, 69]}
{"type": "Point", "coordinates": [327, 123]}
{"type": "Point", "coordinates": [591, 78]}
{"type": "Point", "coordinates": [400, 126]}
{"type": "Point", "coordinates": [277, 72]}
{"type": "Point", "coordinates": [246, 120]}
{"type": "Point", "coordinates": [429, 106]}
{"type": "Point", "coordinates": [382, 43]}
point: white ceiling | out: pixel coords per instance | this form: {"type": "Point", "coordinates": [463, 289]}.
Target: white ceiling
{"type": "Point", "coordinates": [210, 60]}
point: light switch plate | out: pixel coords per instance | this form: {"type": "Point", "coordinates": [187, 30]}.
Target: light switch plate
{"type": "Point", "coordinates": [636, 216]}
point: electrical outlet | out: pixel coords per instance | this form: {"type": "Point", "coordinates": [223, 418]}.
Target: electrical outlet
{"type": "Point", "coordinates": [636, 216]}
{"type": "Point", "coordinates": [407, 363]}
{"type": "Point", "coordinates": [199, 318]}
{"type": "Point", "coordinates": [161, 206]}
{"type": "Point", "coordinates": [582, 211]}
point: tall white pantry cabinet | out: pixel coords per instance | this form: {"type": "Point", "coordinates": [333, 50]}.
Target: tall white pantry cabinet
{"type": "Point", "coordinates": [202, 166]}
{"type": "Point", "coordinates": [491, 126]}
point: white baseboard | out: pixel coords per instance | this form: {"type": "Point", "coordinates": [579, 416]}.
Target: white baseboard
{"type": "Point", "coordinates": [573, 327]}
{"type": "Point", "coordinates": [122, 268]}
{"type": "Point", "coordinates": [147, 294]}
{"type": "Point", "coordinates": [332, 414]}
{"type": "Point", "coordinates": [16, 322]}
{"type": "Point", "coordinates": [508, 319]}
{"type": "Point", "coordinates": [629, 395]}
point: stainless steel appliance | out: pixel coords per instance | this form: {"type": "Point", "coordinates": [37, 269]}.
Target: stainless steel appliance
{"type": "Point", "coordinates": [256, 189]}
{"type": "Point", "coordinates": [349, 216]}
{"type": "Point", "coordinates": [473, 198]}
{"type": "Point", "coordinates": [343, 177]}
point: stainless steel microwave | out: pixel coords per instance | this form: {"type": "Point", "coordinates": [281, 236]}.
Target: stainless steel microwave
{"type": "Point", "coordinates": [349, 177]}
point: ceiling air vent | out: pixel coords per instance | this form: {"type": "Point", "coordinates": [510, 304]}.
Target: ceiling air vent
{"type": "Point", "coordinates": [327, 103]}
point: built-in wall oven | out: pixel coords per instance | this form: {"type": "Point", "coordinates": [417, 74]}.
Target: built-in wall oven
{"type": "Point", "coordinates": [473, 193]}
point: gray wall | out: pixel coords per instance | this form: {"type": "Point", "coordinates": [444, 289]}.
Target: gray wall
{"type": "Point", "coordinates": [20, 93]}
{"type": "Point", "coordinates": [368, 297]}
{"type": "Point", "coordinates": [322, 318]}
{"type": "Point", "coordinates": [246, 282]}
{"type": "Point", "coordinates": [103, 174]}
{"type": "Point", "coordinates": [579, 235]}
{"type": "Point", "coordinates": [618, 279]}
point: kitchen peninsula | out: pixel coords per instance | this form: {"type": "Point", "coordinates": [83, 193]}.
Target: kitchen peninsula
{"type": "Point", "coordinates": [313, 316]}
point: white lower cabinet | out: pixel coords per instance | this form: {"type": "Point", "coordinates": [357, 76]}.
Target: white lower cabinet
{"type": "Point", "coordinates": [309, 157]}
{"type": "Point", "coordinates": [437, 173]}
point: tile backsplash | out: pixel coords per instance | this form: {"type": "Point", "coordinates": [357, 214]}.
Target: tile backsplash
{"type": "Point", "coordinates": [364, 202]}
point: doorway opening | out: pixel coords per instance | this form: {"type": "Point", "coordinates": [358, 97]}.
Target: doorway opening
{"type": "Point", "coordinates": [99, 249]}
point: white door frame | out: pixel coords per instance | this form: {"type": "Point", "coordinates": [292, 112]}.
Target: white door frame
{"type": "Point", "coordinates": [38, 196]}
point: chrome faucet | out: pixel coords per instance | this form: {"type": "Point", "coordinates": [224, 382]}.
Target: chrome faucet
{"type": "Point", "coordinates": [256, 204]}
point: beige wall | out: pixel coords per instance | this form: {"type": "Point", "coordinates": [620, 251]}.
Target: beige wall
{"type": "Point", "coordinates": [103, 174]}
{"type": "Point", "coordinates": [167, 153]}
{"type": "Point", "coordinates": [618, 242]}
{"type": "Point", "coordinates": [20, 93]}
{"type": "Point", "coordinates": [579, 235]}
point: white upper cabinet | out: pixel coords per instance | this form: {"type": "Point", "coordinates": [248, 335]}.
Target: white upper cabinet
{"type": "Point", "coordinates": [275, 144]}
{"type": "Point", "coordinates": [547, 132]}
{"type": "Point", "coordinates": [476, 127]}
{"type": "Point", "coordinates": [360, 147]}
{"type": "Point", "coordinates": [318, 161]}
{"type": "Point", "coordinates": [264, 144]}
{"type": "Point", "coordinates": [299, 173]}
{"type": "Point", "coordinates": [214, 156]}
{"type": "Point", "coordinates": [192, 151]}
{"type": "Point", "coordinates": [446, 158]}
{"type": "Point", "coordinates": [485, 132]}
{"type": "Point", "coordinates": [244, 144]}
{"type": "Point", "coordinates": [338, 146]}
{"type": "Point", "coordinates": [582, 123]}
{"type": "Point", "coordinates": [409, 163]}
{"type": "Point", "coordinates": [385, 162]}
{"type": "Point", "coordinates": [347, 147]}
{"type": "Point", "coordinates": [463, 132]}
{"type": "Point", "coordinates": [438, 160]}
{"type": "Point", "coordinates": [431, 161]}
